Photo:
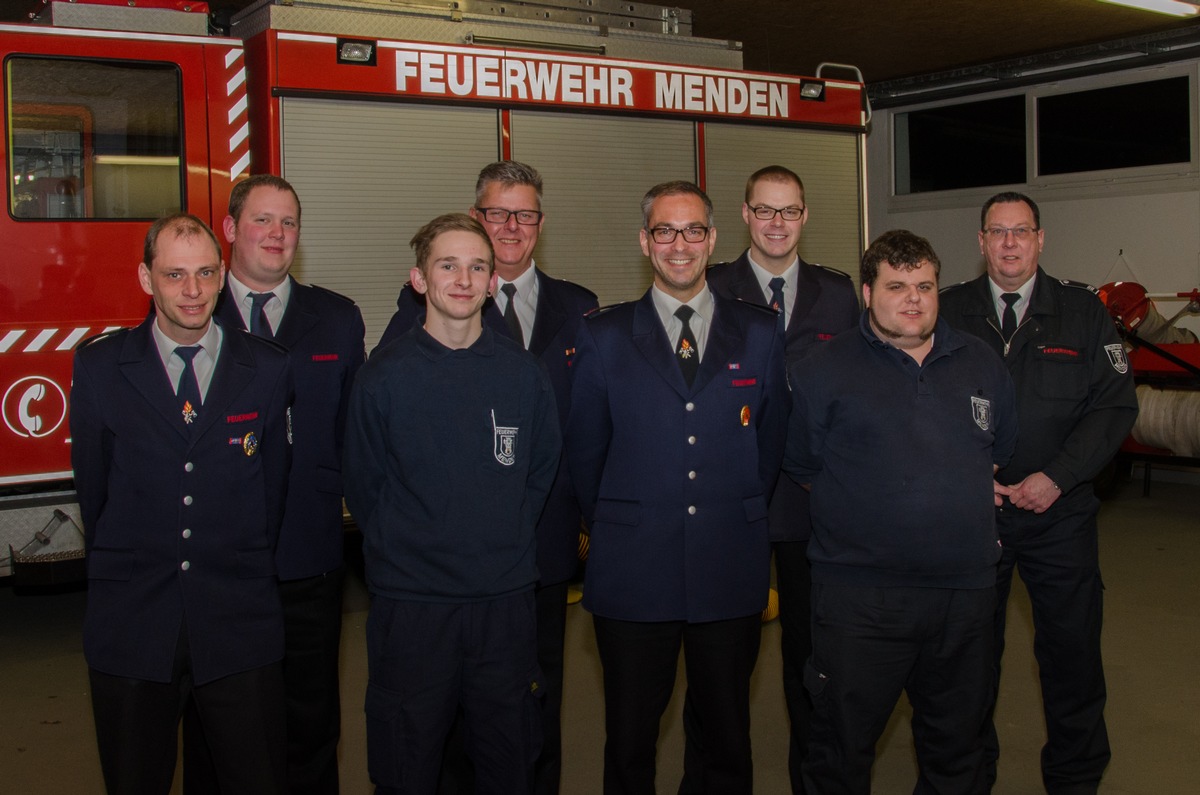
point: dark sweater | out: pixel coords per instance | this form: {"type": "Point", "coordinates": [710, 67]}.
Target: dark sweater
{"type": "Point", "coordinates": [900, 458]}
{"type": "Point", "coordinates": [446, 506]}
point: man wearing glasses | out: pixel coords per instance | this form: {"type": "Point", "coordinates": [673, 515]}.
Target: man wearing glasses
{"type": "Point", "coordinates": [544, 315]}
{"type": "Point", "coordinates": [674, 441]}
{"type": "Point", "coordinates": [813, 304]}
{"type": "Point", "coordinates": [1075, 403]}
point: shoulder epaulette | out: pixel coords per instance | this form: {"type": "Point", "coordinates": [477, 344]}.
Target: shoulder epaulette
{"type": "Point", "coordinates": [102, 336]}
{"type": "Point", "coordinates": [835, 271]}
{"type": "Point", "coordinates": [600, 310]}
{"type": "Point", "coordinates": [331, 293]}
{"type": "Point", "coordinates": [1078, 285]}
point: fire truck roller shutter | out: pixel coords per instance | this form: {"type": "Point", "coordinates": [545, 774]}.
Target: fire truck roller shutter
{"type": "Point", "coordinates": [369, 175]}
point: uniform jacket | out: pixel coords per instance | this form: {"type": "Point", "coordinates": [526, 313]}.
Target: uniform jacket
{"type": "Point", "coordinates": [675, 481]}
{"type": "Point", "coordinates": [825, 306]}
{"type": "Point", "coordinates": [1075, 395]}
{"type": "Point", "coordinates": [323, 332]}
{"type": "Point", "coordinates": [560, 310]}
{"type": "Point", "coordinates": [181, 521]}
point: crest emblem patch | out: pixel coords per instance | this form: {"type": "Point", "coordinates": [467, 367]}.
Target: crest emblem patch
{"type": "Point", "coordinates": [1116, 357]}
{"type": "Point", "coordinates": [981, 411]}
{"type": "Point", "coordinates": [504, 442]}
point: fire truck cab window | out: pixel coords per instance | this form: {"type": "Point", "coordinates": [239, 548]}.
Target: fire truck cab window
{"type": "Point", "coordinates": [93, 139]}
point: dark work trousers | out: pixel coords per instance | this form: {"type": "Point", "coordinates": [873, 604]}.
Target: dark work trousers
{"type": "Point", "coordinates": [793, 580]}
{"type": "Point", "coordinates": [1057, 556]}
{"type": "Point", "coordinates": [312, 614]}
{"type": "Point", "coordinates": [639, 660]}
{"type": "Point", "coordinates": [457, 776]}
{"type": "Point", "coordinates": [869, 644]}
{"type": "Point", "coordinates": [426, 660]}
{"type": "Point", "coordinates": [241, 716]}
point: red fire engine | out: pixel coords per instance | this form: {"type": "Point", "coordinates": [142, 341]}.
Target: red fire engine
{"type": "Point", "coordinates": [380, 114]}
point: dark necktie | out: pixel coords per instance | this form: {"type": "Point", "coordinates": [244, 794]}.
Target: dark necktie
{"type": "Point", "coordinates": [259, 326]}
{"type": "Point", "coordinates": [686, 351]}
{"type": "Point", "coordinates": [188, 391]}
{"type": "Point", "coordinates": [776, 286]}
{"type": "Point", "coordinates": [510, 313]}
{"type": "Point", "coordinates": [1008, 322]}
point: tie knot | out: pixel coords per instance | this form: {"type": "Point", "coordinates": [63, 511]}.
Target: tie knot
{"type": "Point", "coordinates": [509, 289]}
{"type": "Point", "coordinates": [1010, 299]}
{"type": "Point", "coordinates": [684, 313]}
{"type": "Point", "coordinates": [777, 283]}
{"type": "Point", "coordinates": [260, 299]}
{"type": "Point", "coordinates": [187, 352]}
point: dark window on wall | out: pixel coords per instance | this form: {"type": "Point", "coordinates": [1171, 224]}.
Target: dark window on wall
{"type": "Point", "coordinates": [1139, 124]}
{"type": "Point", "coordinates": [961, 146]}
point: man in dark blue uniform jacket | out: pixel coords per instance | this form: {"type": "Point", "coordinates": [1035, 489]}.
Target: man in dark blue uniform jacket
{"type": "Point", "coordinates": [1076, 402]}
{"type": "Point", "coordinates": [547, 313]}
{"type": "Point", "coordinates": [181, 446]}
{"type": "Point", "coordinates": [814, 304]}
{"type": "Point", "coordinates": [674, 441]}
{"type": "Point", "coordinates": [323, 332]}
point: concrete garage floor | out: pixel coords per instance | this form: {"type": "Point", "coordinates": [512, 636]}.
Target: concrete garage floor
{"type": "Point", "coordinates": [1151, 559]}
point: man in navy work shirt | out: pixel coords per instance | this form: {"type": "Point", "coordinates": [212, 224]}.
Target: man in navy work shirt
{"type": "Point", "coordinates": [1076, 402]}
{"type": "Point", "coordinates": [452, 444]}
{"type": "Point", "coordinates": [899, 426]}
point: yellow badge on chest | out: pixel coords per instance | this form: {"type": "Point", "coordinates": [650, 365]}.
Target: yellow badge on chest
{"type": "Point", "coordinates": [250, 444]}
{"type": "Point", "coordinates": [745, 416]}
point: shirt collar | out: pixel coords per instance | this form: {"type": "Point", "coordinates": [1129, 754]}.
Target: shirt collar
{"type": "Point", "coordinates": [666, 305]}
{"type": "Point", "coordinates": [764, 276]}
{"type": "Point", "coordinates": [241, 293]}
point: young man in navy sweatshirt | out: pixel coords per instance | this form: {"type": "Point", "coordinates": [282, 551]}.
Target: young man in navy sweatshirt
{"type": "Point", "coordinates": [452, 444]}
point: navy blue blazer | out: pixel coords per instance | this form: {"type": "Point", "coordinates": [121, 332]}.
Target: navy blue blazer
{"type": "Point", "coordinates": [323, 332]}
{"type": "Point", "coordinates": [181, 521]}
{"type": "Point", "coordinates": [825, 306]}
{"type": "Point", "coordinates": [560, 310]}
{"type": "Point", "coordinates": [675, 481]}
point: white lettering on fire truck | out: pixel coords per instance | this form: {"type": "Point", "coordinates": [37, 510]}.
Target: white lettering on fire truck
{"type": "Point", "coordinates": [513, 78]}
{"type": "Point", "coordinates": [709, 94]}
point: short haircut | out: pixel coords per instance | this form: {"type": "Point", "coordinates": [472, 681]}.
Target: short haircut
{"type": "Point", "coordinates": [774, 174]}
{"type": "Point", "coordinates": [241, 191]}
{"type": "Point", "coordinates": [181, 225]}
{"type": "Point", "coordinates": [1010, 197]}
{"type": "Point", "coordinates": [676, 188]}
{"type": "Point", "coordinates": [508, 173]}
{"type": "Point", "coordinates": [422, 241]}
{"type": "Point", "coordinates": [899, 248]}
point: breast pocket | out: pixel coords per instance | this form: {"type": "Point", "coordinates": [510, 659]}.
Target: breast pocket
{"type": "Point", "coordinates": [1061, 373]}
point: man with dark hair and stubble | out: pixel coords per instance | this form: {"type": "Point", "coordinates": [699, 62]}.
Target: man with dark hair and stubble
{"type": "Point", "coordinates": [898, 426]}
{"type": "Point", "coordinates": [676, 432]}
{"type": "Point", "coordinates": [1076, 403]}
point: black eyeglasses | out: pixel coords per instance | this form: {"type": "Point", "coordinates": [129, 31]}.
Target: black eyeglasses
{"type": "Point", "coordinates": [764, 213]}
{"type": "Point", "coordinates": [667, 234]}
{"type": "Point", "coordinates": [499, 215]}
